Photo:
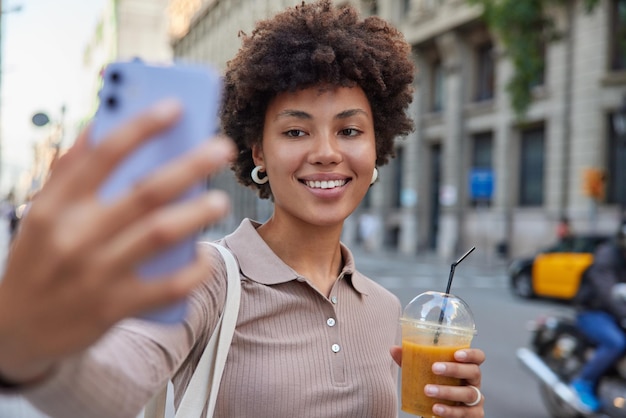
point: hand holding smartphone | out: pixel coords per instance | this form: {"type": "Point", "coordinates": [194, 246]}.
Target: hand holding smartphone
{"type": "Point", "coordinates": [129, 88]}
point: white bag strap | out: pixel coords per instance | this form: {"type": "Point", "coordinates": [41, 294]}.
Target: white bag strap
{"type": "Point", "coordinates": [205, 381]}
{"type": "Point", "coordinates": [156, 407]}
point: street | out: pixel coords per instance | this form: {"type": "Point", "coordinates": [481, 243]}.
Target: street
{"type": "Point", "coordinates": [500, 319]}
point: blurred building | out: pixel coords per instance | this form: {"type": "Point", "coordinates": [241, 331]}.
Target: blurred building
{"type": "Point", "coordinates": [470, 174]}
{"type": "Point", "coordinates": [467, 136]}
{"type": "Point", "coordinates": [127, 29]}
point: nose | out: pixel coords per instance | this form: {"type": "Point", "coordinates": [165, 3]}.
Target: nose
{"type": "Point", "coordinates": [325, 149]}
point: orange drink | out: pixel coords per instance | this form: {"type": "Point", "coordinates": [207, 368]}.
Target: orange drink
{"type": "Point", "coordinates": [417, 361]}
{"type": "Point", "coordinates": [434, 326]}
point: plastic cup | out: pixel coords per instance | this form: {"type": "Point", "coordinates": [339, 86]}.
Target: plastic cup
{"type": "Point", "coordinates": [434, 326]}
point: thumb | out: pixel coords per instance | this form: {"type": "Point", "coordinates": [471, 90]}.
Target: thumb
{"type": "Point", "coordinates": [396, 354]}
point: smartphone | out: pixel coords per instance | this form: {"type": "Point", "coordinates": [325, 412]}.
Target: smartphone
{"type": "Point", "coordinates": [128, 88]}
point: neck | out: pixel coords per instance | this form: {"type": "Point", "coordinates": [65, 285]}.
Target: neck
{"type": "Point", "coordinates": [312, 251]}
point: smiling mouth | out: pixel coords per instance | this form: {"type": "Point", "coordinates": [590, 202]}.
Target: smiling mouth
{"type": "Point", "coordinates": [325, 184]}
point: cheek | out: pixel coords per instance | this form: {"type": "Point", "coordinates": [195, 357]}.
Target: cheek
{"type": "Point", "coordinates": [282, 161]}
{"type": "Point", "coordinates": [363, 158]}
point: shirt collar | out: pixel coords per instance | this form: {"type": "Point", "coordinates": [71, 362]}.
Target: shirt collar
{"type": "Point", "coordinates": [249, 249]}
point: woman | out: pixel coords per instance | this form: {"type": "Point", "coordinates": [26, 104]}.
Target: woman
{"type": "Point", "coordinates": [313, 101]}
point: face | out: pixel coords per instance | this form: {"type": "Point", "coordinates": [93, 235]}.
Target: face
{"type": "Point", "coordinates": [319, 152]}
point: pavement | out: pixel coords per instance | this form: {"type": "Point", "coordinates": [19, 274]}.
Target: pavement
{"type": "Point", "coordinates": [428, 270]}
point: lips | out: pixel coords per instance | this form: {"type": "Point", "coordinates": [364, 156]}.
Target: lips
{"type": "Point", "coordinates": [325, 184]}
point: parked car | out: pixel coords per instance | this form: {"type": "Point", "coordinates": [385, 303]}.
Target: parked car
{"type": "Point", "coordinates": [555, 272]}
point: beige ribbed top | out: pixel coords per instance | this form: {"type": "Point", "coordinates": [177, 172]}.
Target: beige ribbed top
{"type": "Point", "coordinates": [295, 352]}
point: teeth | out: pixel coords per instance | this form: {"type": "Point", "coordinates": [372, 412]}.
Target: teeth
{"type": "Point", "coordinates": [331, 184]}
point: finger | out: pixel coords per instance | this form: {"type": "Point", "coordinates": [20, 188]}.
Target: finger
{"type": "Point", "coordinates": [100, 222]}
{"type": "Point", "coordinates": [396, 354]}
{"type": "Point", "coordinates": [94, 224]}
{"type": "Point", "coordinates": [456, 394]}
{"type": "Point", "coordinates": [470, 355]}
{"type": "Point", "coordinates": [96, 165]}
{"type": "Point", "coordinates": [469, 372]}
{"type": "Point", "coordinates": [164, 228]}
{"type": "Point", "coordinates": [463, 393]}
{"type": "Point", "coordinates": [462, 411]}
{"type": "Point", "coordinates": [72, 154]}
{"type": "Point", "coordinates": [146, 296]}
{"type": "Point", "coordinates": [171, 181]}
{"type": "Point", "coordinates": [58, 177]}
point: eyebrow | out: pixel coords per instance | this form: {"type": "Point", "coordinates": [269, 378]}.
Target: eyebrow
{"type": "Point", "coordinates": [350, 112]}
{"type": "Point", "coordinates": [299, 114]}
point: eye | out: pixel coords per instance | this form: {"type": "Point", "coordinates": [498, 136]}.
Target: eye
{"type": "Point", "coordinates": [294, 133]}
{"type": "Point", "coordinates": [349, 132]}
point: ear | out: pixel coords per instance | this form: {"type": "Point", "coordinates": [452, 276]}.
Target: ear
{"type": "Point", "coordinates": [257, 154]}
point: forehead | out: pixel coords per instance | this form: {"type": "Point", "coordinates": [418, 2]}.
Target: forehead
{"type": "Point", "coordinates": [319, 100]}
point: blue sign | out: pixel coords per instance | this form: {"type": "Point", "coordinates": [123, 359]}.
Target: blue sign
{"type": "Point", "coordinates": [481, 183]}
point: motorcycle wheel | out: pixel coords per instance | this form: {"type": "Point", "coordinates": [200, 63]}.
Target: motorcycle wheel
{"type": "Point", "coordinates": [565, 366]}
{"type": "Point", "coordinates": [523, 285]}
{"type": "Point", "coordinates": [556, 406]}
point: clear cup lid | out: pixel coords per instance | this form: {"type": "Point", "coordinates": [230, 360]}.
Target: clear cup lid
{"type": "Point", "coordinates": [439, 309]}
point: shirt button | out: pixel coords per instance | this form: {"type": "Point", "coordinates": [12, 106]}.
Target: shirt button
{"type": "Point", "coordinates": [335, 348]}
{"type": "Point", "coordinates": [333, 299]}
{"type": "Point", "coordinates": [330, 322]}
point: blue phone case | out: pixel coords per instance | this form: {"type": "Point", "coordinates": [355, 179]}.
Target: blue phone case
{"type": "Point", "coordinates": [130, 87]}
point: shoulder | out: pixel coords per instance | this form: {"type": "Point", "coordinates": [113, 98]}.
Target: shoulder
{"type": "Point", "coordinates": [367, 286]}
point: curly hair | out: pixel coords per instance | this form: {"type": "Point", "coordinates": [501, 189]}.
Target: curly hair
{"type": "Point", "coordinates": [311, 45]}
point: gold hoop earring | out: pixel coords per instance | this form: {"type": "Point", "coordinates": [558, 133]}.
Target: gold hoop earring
{"type": "Point", "coordinates": [255, 175]}
{"type": "Point", "coordinates": [374, 175]}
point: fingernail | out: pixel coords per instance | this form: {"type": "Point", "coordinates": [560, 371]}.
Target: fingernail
{"type": "Point", "coordinates": [439, 410]}
{"type": "Point", "coordinates": [431, 390]}
{"type": "Point", "coordinates": [461, 355]}
{"type": "Point", "coordinates": [218, 201]}
{"type": "Point", "coordinates": [439, 368]}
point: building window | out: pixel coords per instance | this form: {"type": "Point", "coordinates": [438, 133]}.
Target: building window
{"type": "Point", "coordinates": [531, 167]}
{"type": "Point", "coordinates": [437, 86]}
{"type": "Point", "coordinates": [482, 162]}
{"type": "Point", "coordinates": [485, 72]}
{"type": "Point", "coordinates": [396, 165]}
{"type": "Point", "coordinates": [406, 7]}
{"type": "Point", "coordinates": [616, 164]}
{"type": "Point", "coordinates": [618, 35]}
{"type": "Point", "coordinates": [482, 155]}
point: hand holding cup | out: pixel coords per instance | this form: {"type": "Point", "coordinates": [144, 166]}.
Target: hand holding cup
{"type": "Point", "coordinates": [437, 330]}
{"type": "Point", "coordinates": [435, 325]}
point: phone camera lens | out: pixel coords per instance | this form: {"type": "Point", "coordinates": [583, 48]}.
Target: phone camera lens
{"type": "Point", "coordinates": [116, 77]}
{"type": "Point", "coordinates": [111, 102]}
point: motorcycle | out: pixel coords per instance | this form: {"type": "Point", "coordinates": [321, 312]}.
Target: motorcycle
{"type": "Point", "coordinates": [557, 352]}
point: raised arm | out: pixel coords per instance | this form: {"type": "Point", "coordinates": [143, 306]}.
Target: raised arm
{"type": "Point", "coordinates": [69, 275]}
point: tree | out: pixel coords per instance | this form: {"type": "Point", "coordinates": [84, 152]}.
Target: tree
{"type": "Point", "coordinates": [525, 29]}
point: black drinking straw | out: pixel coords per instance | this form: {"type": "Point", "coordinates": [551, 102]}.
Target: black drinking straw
{"type": "Point", "coordinates": [445, 300]}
